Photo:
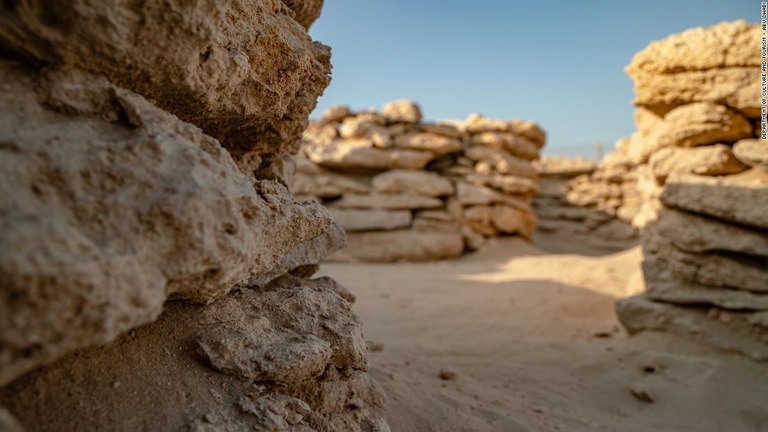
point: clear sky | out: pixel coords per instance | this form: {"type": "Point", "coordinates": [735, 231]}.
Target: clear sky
{"type": "Point", "coordinates": [559, 63]}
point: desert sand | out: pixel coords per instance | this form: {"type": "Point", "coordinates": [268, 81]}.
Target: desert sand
{"type": "Point", "coordinates": [533, 343]}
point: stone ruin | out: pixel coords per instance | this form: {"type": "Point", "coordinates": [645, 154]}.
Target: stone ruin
{"type": "Point", "coordinates": [142, 160]}
{"type": "Point", "coordinates": [408, 190]}
{"type": "Point", "coordinates": [703, 176]}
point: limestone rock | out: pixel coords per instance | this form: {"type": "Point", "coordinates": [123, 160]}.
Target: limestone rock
{"type": "Point", "coordinates": [505, 183]}
{"type": "Point", "coordinates": [402, 245]}
{"type": "Point", "coordinates": [714, 269]}
{"type": "Point", "coordinates": [470, 194]}
{"type": "Point", "coordinates": [402, 111]}
{"type": "Point", "coordinates": [388, 201]}
{"type": "Point", "coordinates": [699, 234]}
{"type": "Point", "coordinates": [418, 182]}
{"type": "Point", "coordinates": [663, 285]}
{"type": "Point", "coordinates": [477, 123]}
{"type": "Point", "coordinates": [715, 64]}
{"type": "Point", "coordinates": [702, 123]}
{"type": "Point", "coordinates": [245, 73]}
{"type": "Point", "coordinates": [740, 198]}
{"type": "Point", "coordinates": [305, 255]}
{"type": "Point", "coordinates": [280, 334]}
{"type": "Point", "coordinates": [480, 218]}
{"type": "Point", "coordinates": [371, 220]}
{"type": "Point", "coordinates": [8, 423]}
{"type": "Point", "coordinates": [564, 167]}
{"type": "Point", "coordinates": [436, 144]}
{"type": "Point", "coordinates": [305, 12]}
{"type": "Point", "coordinates": [516, 145]}
{"type": "Point", "coordinates": [737, 335]}
{"type": "Point", "coordinates": [753, 152]}
{"type": "Point", "coordinates": [336, 114]}
{"type": "Point", "coordinates": [708, 160]}
{"type": "Point", "coordinates": [529, 130]}
{"type": "Point", "coordinates": [501, 162]}
{"type": "Point", "coordinates": [361, 154]}
{"type": "Point", "coordinates": [423, 224]}
{"type": "Point", "coordinates": [130, 207]}
{"type": "Point", "coordinates": [327, 185]}
{"type": "Point", "coordinates": [512, 220]}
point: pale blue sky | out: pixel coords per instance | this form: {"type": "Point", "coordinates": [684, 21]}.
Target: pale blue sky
{"type": "Point", "coordinates": [559, 63]}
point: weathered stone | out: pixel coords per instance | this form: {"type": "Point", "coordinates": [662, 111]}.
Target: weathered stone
{"type": "Point", "coordinates": [514, 144]}
{"type": "Point", "coordinates": [8, 423]}
{"type": "Point", "coordinates": [245, 73]}
{"type": "Point", "coordinates": [361, 154]}
{"type": "Point", "coordinates": [505, 183]}
{"type": "Point", "coordinates": [438, 215]}
{"type": "Point", "coordinates": [473, 240]}
{"type": "Point", "coordinates": [736, 335]}
{"type": "Point", "coordinates": [305, 12]}
{"type": "Point", "coordinates": [740, 198]}
{"type": "Point", "coordinates": [716, 269]}
{"type": "Point", "coordinates": [402, 111]}
{"type": "Point", "coordinates": [363, 127]}
{"type": "Point", "coordinates": [529, 130]}
{"type": "Point", "coordinates": [415, 182]}
{"type": "Point", "coordinates": [702, 123]}
{"type": "Point", "coordinates": [422, 224]}
{"type": "Point", "coordinates": [403, 245]}
{"type": "Point", "coordinates": [441, 129]}
{"type": "Point", "coordinates": [715, 64]}
{"type": "Point", "coordinates": [305, 255]}
{"type": "Point", "coordinates": [662, 284]}
{"type": "Point", "coordinates": [480, 218]}
{"type": "Point", "coordinates": [99, 230]}
{"type": "Point", "coordinates": [388, 201]}
{"type": "Point", "coordinates": [708, 160]}
{"type": "Point", "coordinates": [512, 220]}
{"type": "Point", "coordinates": [564, 167]}
{"type": "Point", "coordinates": [433, 143]}
{"type": "Point", "coordinates": [501, 161]}
{"type": "Point", "coordinates": [371, 220]}
{"type": "Point", "coordinates": [476, 123]}
{"type": "Point", "coordinates": [336, 114]}
{"type": "Point", "coordinates": [327, 185]}
{"type": "Point", "coordinates": [471, 194]}
{"type": "Point", "coordinates": [280, 333]}
{"type": "Point", "coordinates": [700, 234]}
{"type": "Point", "coordinates": [753, 152]}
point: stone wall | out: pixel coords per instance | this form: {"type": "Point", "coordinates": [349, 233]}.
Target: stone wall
{"type": "Point", "coordinates": [141, 160]}
{"type": "Point", "coordinates": [413, 191]}
{"type": "Point", "coordinates": [704, 243]}
{"type": "Point", "coordinates": [568, 208]}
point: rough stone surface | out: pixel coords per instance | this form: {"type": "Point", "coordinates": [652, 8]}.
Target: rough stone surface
{"type": "Point", "coordinates": [715, 64]}
{"type": "Point", "coordinates": [735, 334]}
{"type": "Point", "coordinates": [246, 73]}
{"type": "Point", "coordinates": [388, 201]}
{"type": "Point", "coordinates": [512, 220]}
{"type": "Point", "coordinates": [108, 212]}
{"type": "Point", "coordinates": [305, 12]}
{"type": "Point", "coordinates": [418, 182]}
{"type": "Point", "coordinates": [714, 269]}
{"type": "Point", "coordinates": [402, 245]}
{"type": "Point", "coordinates": [371, 219]}
{"type": "Point", "coordinates": [433, 143]}
{"type": "Point", "coordinates": [700, 234]}
{"type": "Point", "coordinates": [361, 154]}
{"type": "Point", "coordinates": [702, 123]}
{"type": "Point", "coordinates": [753, 152]}
{"type": "Point", "coordinates": [286, 356]}
{"type": "Point", "coordinates": [708, 160]}
{"type": "Point", "coordinates": [740, 198]}
{"type": "Point", "coordinates": [404, 111]}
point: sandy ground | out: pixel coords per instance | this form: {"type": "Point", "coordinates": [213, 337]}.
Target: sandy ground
{"type": "Point", "coordinates": [535, 345]}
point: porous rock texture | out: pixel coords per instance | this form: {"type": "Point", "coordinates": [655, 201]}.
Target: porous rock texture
{"type": "Point", "coordinates": [705, 215]}
{"type": "Point", "coordinates": [245, 72]}
{"type": "Point", "coordinates": [407, 190]}
{"type": "Point", "coordinates": [144, 157]}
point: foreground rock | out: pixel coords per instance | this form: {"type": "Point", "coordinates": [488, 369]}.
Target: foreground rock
{"type": "Point", "coordinates": [286, 356]}
{"type": "Point", "coordinates": [145, 159]}
{"type": "Point", "coordinates": [388, 171]}
{"type": "Point", "coordinates": [246, 73]}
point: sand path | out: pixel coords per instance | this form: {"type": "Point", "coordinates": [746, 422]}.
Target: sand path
{"type": "Point", "coordinates": [536, 346]}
